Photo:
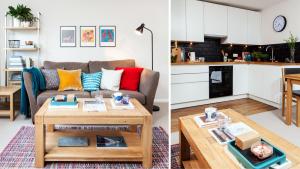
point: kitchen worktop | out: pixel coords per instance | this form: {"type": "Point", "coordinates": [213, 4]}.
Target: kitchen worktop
{"type": "Point", "coordinates": [229, 63]}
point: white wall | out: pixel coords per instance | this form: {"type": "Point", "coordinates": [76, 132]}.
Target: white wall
{"type": "Point", "coordinates": [291, 10]}
{"type": "Point", "coordinates": [126, 15]}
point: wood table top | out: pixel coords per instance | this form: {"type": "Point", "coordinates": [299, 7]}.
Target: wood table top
{"type": "Point", "coordinates": [78, 116]}
{"type": "Point", "coordinates": [8, 90]}
{"type": "Point", "coordinates": [204, 145]}
{"type": "Point", "coordinates": [292, 76]}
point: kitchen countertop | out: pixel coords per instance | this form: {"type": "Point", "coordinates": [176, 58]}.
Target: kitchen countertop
{"type": "Point", "coordinates": [229, 63]}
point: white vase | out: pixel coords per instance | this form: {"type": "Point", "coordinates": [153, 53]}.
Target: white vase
{"type": "Point", "coordinates": [16, 22]}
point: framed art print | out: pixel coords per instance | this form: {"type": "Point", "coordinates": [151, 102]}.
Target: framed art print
{"type": "Point", "coordinates": [87, 36]}
{"type": "Point", "coordinates": [107, 36]}
{"type": "Point", "coordinates": [68, 36]}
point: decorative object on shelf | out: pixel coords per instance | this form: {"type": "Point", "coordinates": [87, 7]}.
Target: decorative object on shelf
{"type": "Point", "coordinates": [140, 30]}
{"type": "Point", "coordinates": [107, 36]}
{"type": "Point", "coordinates": [291, 41]}
{"type": "Point", "coordinates": [22, 16]}
{"type": "Point", "coordinates": [15, 61]}
{"type": "Point", "coordinates": [14, 43]}
{"type": "Point", "coordinates": [87, 36]}
{"type": "Point", "coordinates": [279, 23]}
{"type": "Point", "coordinates": [68, 36]}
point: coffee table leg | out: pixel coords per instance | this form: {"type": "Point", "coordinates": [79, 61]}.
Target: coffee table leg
{"type": "Point", "coordinates": [147, 142]}
{"type": "Point", "coordinates": [184, 147]}
{"type": "Point", "coordinates": [11, 107]}
{"type": "Point", "coordinates": [39, 142]}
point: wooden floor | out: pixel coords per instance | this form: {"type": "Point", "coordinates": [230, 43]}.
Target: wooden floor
{"type": "Point", "coordinates": [243, 106]}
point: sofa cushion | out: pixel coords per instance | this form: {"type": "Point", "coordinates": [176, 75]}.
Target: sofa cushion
{"type": "Point", "coordinates": [42, 97]}
{"type": "Point", "coordinates": [91, 81]}
{"type": "Point", "coordinates": [130, 79]}
{"type": "Point", "coordinates": [96, 66]}
{"type": "Point", "coordinates": [69, 79]}
{"type": "Point", "coordinates": [51, 78]}
{"type": "Point", "coordinates": [111, 79]}
{"type": "Point", "coordinates": [133, 94]}
{"type": "Point", "coordinates": [67, 66]}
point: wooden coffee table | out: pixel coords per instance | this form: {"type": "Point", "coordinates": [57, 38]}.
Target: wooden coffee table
{"type": "Point", "coordinates": [139, 146]}
{"type": "Point", "coordinates": [210, 154]}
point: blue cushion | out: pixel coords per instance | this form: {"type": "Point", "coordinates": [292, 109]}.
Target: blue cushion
{"type": "Point", "coordinates": [92, 81]}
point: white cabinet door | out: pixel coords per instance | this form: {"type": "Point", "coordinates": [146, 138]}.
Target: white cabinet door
{"type": "Point", "coordinates": [253, 28]}
{"type": "Point", "coordinates": [178, 22]}
{"type": "Point", "coordinates": [188, 92]}
{"type": "Point", "coordinates": [215, 20]}
{"type": "Point", "coordinates": [272, 84]}
{"type": "Point", "coordinates": [240, 79]}
{"type": "Point", "coordinates": [194, 21]}
{"type": "Point", "coordinates": [256, 80]}
{"type": "Point", "coordinates": [237, 26]}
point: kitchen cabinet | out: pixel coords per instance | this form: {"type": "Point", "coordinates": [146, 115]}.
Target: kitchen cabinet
{"type": "Point", "coordinates": [178, 22]}
{"type": "Point", "coordinates": [253, 28]}
{"type": "Point", "coordinates": [187, 20]}
{"type": "Point", "coordinates": [237, 26]}
{"type": "Point", "coordinates": [265, 82]}
{"type": "Point", "coordinates": [215, 20]}
{"type": "Point", "coordinates": [240, 79]}
{"type": "Point", "coordinates": [189, 83]}
{"type": "Point", "coordinates": [194, 21]}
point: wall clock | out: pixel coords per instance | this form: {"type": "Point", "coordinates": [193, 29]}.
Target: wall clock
{"type": "Point", "coordinates": [279, 23]}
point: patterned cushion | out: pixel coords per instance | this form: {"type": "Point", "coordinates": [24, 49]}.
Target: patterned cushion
{"type": "Point", "coordinates": [52, 79]}
{"type": "Point", "coordinates": [92, 81]}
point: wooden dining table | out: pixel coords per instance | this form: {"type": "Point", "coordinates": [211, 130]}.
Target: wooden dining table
{"type": "Point", "coordinates": [291, 80]}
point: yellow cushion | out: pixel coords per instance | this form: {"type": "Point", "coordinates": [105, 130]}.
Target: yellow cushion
{"type": "Point", "coordinates": [69, 79]}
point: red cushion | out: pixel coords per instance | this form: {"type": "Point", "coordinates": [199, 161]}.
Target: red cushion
{"type": "Point", "coordinates": [130, 79]}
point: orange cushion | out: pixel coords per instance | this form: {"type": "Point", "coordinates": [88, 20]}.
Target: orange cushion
{"type": "Point", "coordinates": [69, 79]}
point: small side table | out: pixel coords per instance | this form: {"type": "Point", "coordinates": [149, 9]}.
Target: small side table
{"type": "Point", "coordinates": [9, 91]}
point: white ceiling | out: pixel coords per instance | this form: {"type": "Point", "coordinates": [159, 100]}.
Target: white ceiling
{"type": "Point", "coordinates": [248, 4]}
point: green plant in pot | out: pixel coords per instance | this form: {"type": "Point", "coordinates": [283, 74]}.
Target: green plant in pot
{"type": "Point", "coordinates": [260, 56]}
{"type": "Point", "coordinates": [291, 41]}
{"type": "Point", "coordinates": [22, 15]}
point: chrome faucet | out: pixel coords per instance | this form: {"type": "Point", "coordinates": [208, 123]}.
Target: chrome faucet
{"type": "Point", "coordinates": [272, 57]}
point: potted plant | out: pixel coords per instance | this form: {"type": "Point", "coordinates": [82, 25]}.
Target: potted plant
{"type": "Point", "coordinates": [260, 56]}
{"type": "Point", "coordinates": [22, 16]}
{"type": "Point", "coordinates": [291, 41]}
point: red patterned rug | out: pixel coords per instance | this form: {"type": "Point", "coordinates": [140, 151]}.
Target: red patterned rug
{"type": "Point", "coordinates": [19, 153]}
{"type": "Point", "coordinates": [175, 156]}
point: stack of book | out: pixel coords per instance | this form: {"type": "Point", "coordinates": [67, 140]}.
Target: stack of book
{"type": "Point", "coordinates": [15, 61]}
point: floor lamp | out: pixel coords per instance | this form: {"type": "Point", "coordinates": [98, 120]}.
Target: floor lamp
{"type": "Point", "coordinates": [140, 31]}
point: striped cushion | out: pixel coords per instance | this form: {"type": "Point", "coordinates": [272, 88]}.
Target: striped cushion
{"type": "Point", "coordinates": [92, 81]}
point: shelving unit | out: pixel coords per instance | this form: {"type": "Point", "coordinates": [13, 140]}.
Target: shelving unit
{"type": "Point", "coordinates": [12, 33]}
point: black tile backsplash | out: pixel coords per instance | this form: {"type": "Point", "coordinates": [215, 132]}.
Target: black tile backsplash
{"type": "Point", "coordinates": [211, 49]}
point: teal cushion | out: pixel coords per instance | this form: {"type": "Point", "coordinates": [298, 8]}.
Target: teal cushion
{"type": "Point", "coordinates": [92, 81]}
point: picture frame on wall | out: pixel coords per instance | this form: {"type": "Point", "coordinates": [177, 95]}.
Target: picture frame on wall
{"type": "Point", "coordinates": [68, 36]}
{"type": "Point", "coordinates": [87, 36]}
{"type": "Point", "coordinates": [107, 36]}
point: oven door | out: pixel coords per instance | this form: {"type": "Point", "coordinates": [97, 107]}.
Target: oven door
{"type": "Point", "coordinates": [220, 81]}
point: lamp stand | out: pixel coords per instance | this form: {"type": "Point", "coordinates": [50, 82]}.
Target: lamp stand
{"type": "Point", "coordinates": [155, 108]}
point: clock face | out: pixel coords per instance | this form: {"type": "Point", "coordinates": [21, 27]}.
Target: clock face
{"type": "Point", "coordinates": [279, 23]}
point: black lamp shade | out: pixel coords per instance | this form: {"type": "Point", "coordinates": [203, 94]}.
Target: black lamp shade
{"type": "Point", "coordinates": [140, 29]}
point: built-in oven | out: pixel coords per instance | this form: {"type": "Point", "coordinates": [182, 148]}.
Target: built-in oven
{"type": "Point", "coordinates": [220, 81]}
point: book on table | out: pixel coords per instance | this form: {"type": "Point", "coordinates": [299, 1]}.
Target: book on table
{"type": "Point", "coordinates": [110, 142]}
{"type": "Point", "coordinates": [94, 106]}
{"type": "Point", "coordinates": [121, 106]}
{"type": "Point", "coordinates": [202, 122]}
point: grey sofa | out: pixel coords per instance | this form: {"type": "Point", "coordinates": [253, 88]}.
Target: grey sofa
{"type": "Point", "coordinates": [145, 95]}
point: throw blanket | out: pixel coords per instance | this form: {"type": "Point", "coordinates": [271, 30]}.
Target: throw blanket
{"type": "Point", "coordinates": [38, 84]}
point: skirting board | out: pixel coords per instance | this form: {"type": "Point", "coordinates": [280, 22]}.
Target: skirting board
{"type": "Point", "coordinates": [209, 101]}
{"type": "Point", "coordinates": [223, 99]}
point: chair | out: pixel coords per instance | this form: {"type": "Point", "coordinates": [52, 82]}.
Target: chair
{"type": "Point", "coordinates": [296, 93]}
